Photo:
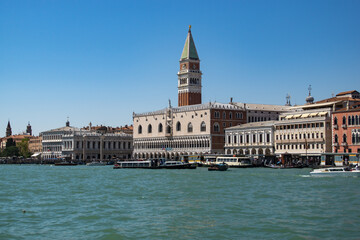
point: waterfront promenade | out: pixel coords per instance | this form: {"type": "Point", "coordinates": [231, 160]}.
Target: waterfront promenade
{"type": "Point", "coordinates": [49, 202]}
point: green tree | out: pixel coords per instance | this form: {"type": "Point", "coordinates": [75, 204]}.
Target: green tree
{"type": "Point", "coordinates": [23, 147]}
{"type": "Point", "coordinates": [11, 151]}
{"type": "Point", "coordinates": [10, 142]}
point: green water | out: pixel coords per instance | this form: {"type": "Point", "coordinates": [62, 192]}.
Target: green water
{"type": "Point", "coordinates": [82, 202]}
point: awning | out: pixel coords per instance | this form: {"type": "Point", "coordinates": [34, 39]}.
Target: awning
{"type": "Point", "coordinates": [35, 154]}
{"type": "Point", "coordinates": [313, 114]}
{"type": "Point", "coordinates": [289, 116]}
{"type": "Point", "coordinates": [297, 115]}
{"type": "Point", "coordinates": [305, 115]}
{"type": "Point", "coordinates": [322, 113]}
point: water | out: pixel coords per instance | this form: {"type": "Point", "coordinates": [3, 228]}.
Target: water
{"type": "Point", "coordinates": [81, 202]}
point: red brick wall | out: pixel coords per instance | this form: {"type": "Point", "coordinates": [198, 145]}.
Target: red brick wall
{"type": "Point", "coordinates": [185, 99]}
{"type": "Point", "coordinates": [342, 129]}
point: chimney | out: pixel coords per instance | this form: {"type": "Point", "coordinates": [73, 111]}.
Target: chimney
{"type": "Point", "coordinates": [231, 100]}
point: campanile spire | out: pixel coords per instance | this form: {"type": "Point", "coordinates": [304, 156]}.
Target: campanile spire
{"type": "Point", "coordinates": [189, 75]}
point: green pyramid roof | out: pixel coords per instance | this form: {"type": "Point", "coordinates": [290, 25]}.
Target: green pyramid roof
{"type": "Point", "coordinates": [189, 51]}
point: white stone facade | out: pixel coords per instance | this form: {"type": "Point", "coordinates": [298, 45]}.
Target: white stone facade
{"type": "Point", "coordinates": [251, 139]}
{"type": "Point", "coordinates": [85, 145]}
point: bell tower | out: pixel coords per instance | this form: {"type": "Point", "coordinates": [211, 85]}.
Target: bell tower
{"type": "Point", "coordinates": [8, 129]}
{"type": "Point", "coordinates": [189, 75]}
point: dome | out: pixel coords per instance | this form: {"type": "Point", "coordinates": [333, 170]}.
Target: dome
{"type": "Point", "coordinates": [309, 99]}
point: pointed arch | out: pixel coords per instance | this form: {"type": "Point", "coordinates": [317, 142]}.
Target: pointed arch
{"type": "Point", "coordinates": [178, 126]}
{"type": "Point", "coordinates": [140, 129]}
{"type": "Point", "coordinates": [203, 126]}
{"type": "Point", "coordinates": [190, 127]}
{"type": "Point", "coordinates": [160, 128]}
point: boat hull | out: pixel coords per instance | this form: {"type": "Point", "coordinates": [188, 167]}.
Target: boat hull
{"type": "Point", "coordinates": [218, 167]}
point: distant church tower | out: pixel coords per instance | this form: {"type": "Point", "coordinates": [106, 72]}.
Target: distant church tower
{"type": "Point", "coordinates": [8, 129]}
{"type": "Point", "coordinates": [189, 76]}
{"type": "Point", "coordinates": [28, 129]}
{"type": "Point", "coordinates": [309, 99]}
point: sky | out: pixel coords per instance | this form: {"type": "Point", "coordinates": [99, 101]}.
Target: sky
{"type": "Point", "coordinates": [100, 61]}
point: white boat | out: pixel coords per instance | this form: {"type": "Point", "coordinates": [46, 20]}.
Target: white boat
{"type": "Point", "coordinates": [235, 162]}
{"type": "Point", "coordinates": [336, 171]}
{"type": "Point", "coordinates": [94, 163]}
{"type": "Point", "coordinates": [177, 165]}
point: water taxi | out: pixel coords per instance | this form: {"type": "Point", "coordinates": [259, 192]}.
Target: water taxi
{"type": "Point", "coordinates": [235, 162]}
{"type": "Point", "coordinates": [336, 171]}
{"type": "Point", "coordinates": [134, 164]}
{"type": "Point", "coordinates": [177, 165]}
{"type": "Point", "coordinates": [218, 167]}
{"type": "Point", "coordinates": [95, 163]}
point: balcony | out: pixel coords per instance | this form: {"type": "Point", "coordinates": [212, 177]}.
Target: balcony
{"type": "Point", "coordinates": [336, 127]}
{"type": "Point", "coordinates": [344, 144]}
{"type": "Point", "coordinates": [344, 126]}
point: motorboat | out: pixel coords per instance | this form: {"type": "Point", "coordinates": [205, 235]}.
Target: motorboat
{"type": "Point", "coordinates": [336, 171]}
{"type": "Point", "coordinates": [65, 164]}
{"type": "Point", "coordinates": [177, 165]}
{"type": "Point", "coordinates": [95, 163]}
{"type": "Point", "coordinates": [218, 167]}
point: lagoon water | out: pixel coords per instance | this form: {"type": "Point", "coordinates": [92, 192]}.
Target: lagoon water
{"type": "Point", "coordinates": [82, 202]}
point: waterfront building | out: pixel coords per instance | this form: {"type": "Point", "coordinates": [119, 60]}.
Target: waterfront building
{"type": "Point", "coordinates": [192, 128]}
{"type": "Point", "coordinates": [35, 145]}
{"type": "Point", "coordinates": [304, 133]}
{"type": "Point", "coordinates": [346, 130]}
{"type": "Point", "coordinates": [77, 144]}
{"type": "Point", "coordinates": [16, 138]}
{"type": "Point", "coordinates": [252, 139]}
{"type": "Point", "coordinates": [187, 130]}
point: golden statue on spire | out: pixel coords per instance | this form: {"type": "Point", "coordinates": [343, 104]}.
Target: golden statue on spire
{"type": "Point", "coordinates": [189, 27]}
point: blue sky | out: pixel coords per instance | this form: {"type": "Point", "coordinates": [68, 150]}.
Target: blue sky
{"type": "Point", "coordinates": [100, 61]}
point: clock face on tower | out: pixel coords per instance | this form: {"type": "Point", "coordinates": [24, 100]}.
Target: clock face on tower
{"type": "Point", "coordinates": [194, 66]}
{"type": "Point", "coordinates": [183, 66]}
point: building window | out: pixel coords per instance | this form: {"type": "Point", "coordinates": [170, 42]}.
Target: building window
{"type": "Point", "coordinates": [190, 127]}
{"type": "Point", "coordinates": [344, 138]}
{"type": "Point", "coordinates": [178, 126]}
{"type": "Point", "coordinates": [140, 129]}
{"type": "Point", "coordinates": [149, 128]}
{"type": "Point", "coordinates": [168, 129]}
{"type": "Point", "coordinates": [160, 127]}
{"type": "Point", "coordinates": [216, 114]}
{"type": "Point", "coordinates": [344, 120]}
{"type": "Point", "coordinates": [268, 137]}
{"type": "Point", "coordinates": [336, 138]}
{"type": "Point", "coordinates": [203, 127]}
{"type": "Point", "coordinates": [230, 115]}
{"type": "Point", "coordinates": [224, 115]}
{"type": "Point", "coordinates": [216, 127]}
